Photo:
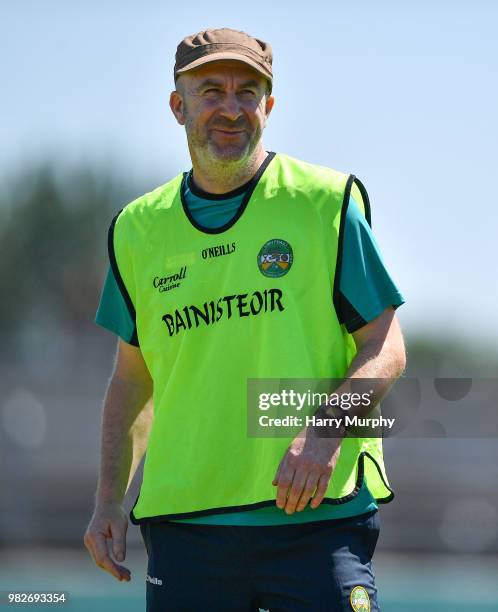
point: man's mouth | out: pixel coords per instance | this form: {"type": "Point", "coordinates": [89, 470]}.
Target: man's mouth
{"type": "Point", "coordinates": [225, 131]}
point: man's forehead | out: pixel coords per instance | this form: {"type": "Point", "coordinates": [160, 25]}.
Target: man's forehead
{"type": "Point", "coordinates": [221, 71]}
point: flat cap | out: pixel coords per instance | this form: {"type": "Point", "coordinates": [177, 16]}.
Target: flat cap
{"type": "Point", "coordinates": [223, 44]}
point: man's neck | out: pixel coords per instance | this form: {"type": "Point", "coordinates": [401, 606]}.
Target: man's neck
{"type": "Point", "coordinates": [219, 179]}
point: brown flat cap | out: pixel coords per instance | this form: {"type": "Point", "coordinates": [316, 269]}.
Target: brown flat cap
{"type": "Point", "coordinates": [223, 44]}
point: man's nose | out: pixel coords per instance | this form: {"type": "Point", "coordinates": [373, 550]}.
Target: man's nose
{"type": "Point", "coordinates": [231, 106]}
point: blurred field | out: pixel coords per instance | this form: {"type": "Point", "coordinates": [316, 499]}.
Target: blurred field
{"type": "Point", "coordinates": [407, 583]}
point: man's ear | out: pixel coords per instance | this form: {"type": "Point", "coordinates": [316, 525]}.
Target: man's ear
{"type": "Point", "coordinates": [177, 106]}
{"type": "Point", "coordinates": [270, 101]}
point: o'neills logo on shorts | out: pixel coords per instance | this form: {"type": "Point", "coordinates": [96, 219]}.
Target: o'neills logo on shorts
{"type": "Point", "coordinates": [153, 580]}
{"type": "Point", "coordinates": [214, 311]}
{"type": "Point", "coordinates": [166, 283]}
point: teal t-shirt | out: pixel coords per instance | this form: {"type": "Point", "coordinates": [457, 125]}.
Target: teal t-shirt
{"type": "Point", "coordinates": [366, 290]}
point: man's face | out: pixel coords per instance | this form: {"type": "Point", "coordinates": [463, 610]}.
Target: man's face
{"type": "Point", "coordinates": [223, 107]}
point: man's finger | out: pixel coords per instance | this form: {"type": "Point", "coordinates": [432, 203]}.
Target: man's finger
{"type": "Point", "coordinates": [118, 533]}
{"type": "Point", "coordinates": [284, 482]}
{"type": "Point", "coordinates": [298, 483]}
{"type": "Point", "coordinates": [91, 540]}
{"type": "Point", "coordinates": [309, 489]}
{"type": "Point", "coordinates": [102, 559]}
{"type": "Point", "coordinates": [277, 475]}
{"type": "Point", "coordinates": [321, 487]}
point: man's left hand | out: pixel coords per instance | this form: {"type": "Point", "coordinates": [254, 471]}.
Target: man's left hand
{"type": "Point", "coordinates": [305, 470]}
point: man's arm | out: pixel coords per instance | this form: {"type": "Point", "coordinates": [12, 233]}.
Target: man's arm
{"type": "Point", "coordinates": [380, 358]}
{"type": "Point", "coordinates": [381, 349]}
{"type": "Point", "coordinates": [308, 463]}
{"type": "Point", "coordinates": [126, 421]}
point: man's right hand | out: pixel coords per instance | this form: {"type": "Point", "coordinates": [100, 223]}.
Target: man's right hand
{"type": "Point", "coordinates": [109, 522]}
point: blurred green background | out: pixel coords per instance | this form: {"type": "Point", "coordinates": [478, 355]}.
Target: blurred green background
{"type": "Point", "coordinates": [403, 96]}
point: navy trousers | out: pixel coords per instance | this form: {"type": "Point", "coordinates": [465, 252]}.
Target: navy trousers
{"type": "Point", "coordinates": [323, 566]}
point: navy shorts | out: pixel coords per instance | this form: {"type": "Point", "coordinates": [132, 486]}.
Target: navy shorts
{"type": "Point", "coordinates": [311, 567]}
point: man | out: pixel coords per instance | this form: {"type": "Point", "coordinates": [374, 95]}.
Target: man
{"type": "Point", "coordinates": [253, 265]}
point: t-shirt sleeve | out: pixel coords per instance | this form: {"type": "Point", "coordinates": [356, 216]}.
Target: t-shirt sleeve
{"type": "Point", "coordinates": [113, 313]}
{"type": "Point", "coordinates": [366, 288]}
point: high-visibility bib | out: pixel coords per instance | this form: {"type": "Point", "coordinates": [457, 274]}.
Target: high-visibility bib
{"type": "Point", "coordinates": [215, 308]}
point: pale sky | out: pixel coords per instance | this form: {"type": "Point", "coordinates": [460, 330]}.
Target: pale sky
{"type": "Point", "coordinates": [405, 97]}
